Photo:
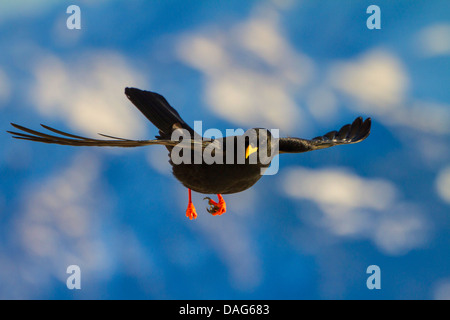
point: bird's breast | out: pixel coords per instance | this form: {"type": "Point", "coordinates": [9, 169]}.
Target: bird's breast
{"type": "Point", "coordinates": [217, 178]}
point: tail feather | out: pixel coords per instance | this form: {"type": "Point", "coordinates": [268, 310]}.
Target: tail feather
{"type": "Point", "coordinates": [156, 108]}
{"type": "Point", "coordinates": [69, 139]}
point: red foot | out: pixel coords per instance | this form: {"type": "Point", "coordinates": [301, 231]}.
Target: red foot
{"type": "Point", "coordinates": [216, 209]}
{"type": "Point", "coordinates": [191, 213]}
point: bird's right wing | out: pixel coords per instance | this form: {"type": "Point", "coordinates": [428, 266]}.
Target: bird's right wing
{"type": "Point", "coordinates": [68, 139]}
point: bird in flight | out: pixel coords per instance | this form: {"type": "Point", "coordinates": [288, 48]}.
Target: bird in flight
{"type": "Point", "coordinates": [237, 165]}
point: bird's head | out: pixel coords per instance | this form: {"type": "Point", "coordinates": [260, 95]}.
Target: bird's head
{"type": "Point", "coordinates": [259, 145]}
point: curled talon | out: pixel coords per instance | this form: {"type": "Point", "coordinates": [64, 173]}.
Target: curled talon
{"type": "Point", "coordinates": [213, 208]}
{"type": "Point", "coordinates": [216, 209]}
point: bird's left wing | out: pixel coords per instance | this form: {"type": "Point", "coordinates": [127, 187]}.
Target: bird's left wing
{"type": "Point", "coordinates": [348, 134]}
{"type": "Point", "coordinates": [68, 139]}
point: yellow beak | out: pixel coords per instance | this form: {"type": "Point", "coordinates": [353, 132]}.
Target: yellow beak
{"type": "Point", "coordinates": [250, 150]}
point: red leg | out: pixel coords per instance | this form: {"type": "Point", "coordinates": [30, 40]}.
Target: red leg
{"type": "Point", "coordinates": [216, 209]}
{"type": "Point", "coordinates": [191, 213]}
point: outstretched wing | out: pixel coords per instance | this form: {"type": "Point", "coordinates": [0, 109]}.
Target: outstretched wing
{"type": "Point", "coordinates": [348, 134]}
{"type": "Point", "coordinates": [68, 139]}
{"type": "Point", "coordinates": [156, 109]}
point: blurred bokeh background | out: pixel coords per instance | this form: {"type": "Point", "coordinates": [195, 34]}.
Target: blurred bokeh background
{"type": "Point", "coordinates": [304, 67]}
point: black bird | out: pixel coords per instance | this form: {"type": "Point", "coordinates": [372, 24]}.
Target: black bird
{"type": "Point", "coordinates": [206, 166]}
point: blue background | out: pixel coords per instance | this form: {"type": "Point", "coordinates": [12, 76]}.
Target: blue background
{"type": "Point", "coordinates": [304, 67]}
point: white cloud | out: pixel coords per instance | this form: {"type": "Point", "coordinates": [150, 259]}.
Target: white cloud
{"type": "Point", "coordinates": [59, 212]}
{"type": "Point", "coordinates": [253, 76]}
{"type": "Point", "coordinates": [11, 9]}
{"type": "Point", "coordinates": [354, 206]}
{"type": "Point", "coordinates": [425, 116]}
{"type": "Point", "coordinates": [400, 229]}
{"type": "Point", "coordinates": [158, 159]}
{"type": "Point", "coordinates": [5, 88]}
{"type": "Point", "coordinates": [434, 40]}
{"type": "Point", "coordinates": [377, 78]}
{"type": "Point", "coordinates": [57, 225]}
{"type": "Point", "coordinates": [339, 188]}
{"type": "Point", "coordinates": [322, 103]}
{"type": "Point", "coordinates": [441, 289]}
{"type": "Point", "coordinates": [88, 94]}
{"type": "Point", "coordinates": [443, 184]}
{"type": "Point", "coordinates": [378, 84]}
{"type": "Point", "coordinates": [252, 72]}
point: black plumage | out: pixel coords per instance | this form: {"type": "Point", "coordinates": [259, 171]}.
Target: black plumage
{"type": "Point", "coordinates": [233, 170]}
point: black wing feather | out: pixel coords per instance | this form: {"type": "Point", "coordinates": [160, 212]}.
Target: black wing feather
{"type": "Point", "coordinates": [348, 134]}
